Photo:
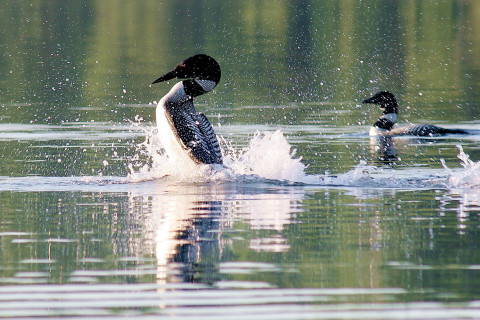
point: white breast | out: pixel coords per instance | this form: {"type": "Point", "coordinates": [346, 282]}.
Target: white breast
{"type": "Point", "coordinates": [177, 154]}
{"type": "Point", "coordinates": [375, 131]}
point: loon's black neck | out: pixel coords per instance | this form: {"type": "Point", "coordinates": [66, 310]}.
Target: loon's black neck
{"type": "Point", "coordinates": [389, 116]}
{"type": "Point", "coordinates": [181, 96]}
{"type": "Point", "coordinates": [196, 87]}
{"type": "Point", "coordinates": [386, 121]}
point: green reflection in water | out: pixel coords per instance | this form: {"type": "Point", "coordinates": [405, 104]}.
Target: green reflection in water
{"type": "Point", "coordinates": [69, 61]}
{"type": "Point", "coordinates": [322, 238]}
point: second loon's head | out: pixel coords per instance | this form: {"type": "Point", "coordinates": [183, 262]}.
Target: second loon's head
{"type": "Point", "coordinates": [384, 100]}
{"type": "Point", "coordinates": [201, 73]}
{"type": "Point", "coordinates": [388, 103]}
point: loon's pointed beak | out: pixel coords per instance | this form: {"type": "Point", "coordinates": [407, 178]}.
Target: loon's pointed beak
{"type": "Point", "coordinates": [169, 76]}
{"type": "Point", "coordinates": [369, 100]}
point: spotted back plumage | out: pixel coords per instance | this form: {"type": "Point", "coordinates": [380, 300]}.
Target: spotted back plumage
{"type": "Point", "coordinates": [424, 130]}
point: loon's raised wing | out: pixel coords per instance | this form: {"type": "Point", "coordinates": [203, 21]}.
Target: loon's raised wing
{"type": "Point", "coordinates": [196, 134]}
{"type": "Point", "coordinates": [211, 141]}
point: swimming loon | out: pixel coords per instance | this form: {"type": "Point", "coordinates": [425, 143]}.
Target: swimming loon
{"type": "Point", "coordinates": [384, 124]}
{"type": "Point", "coordinates": [185, 133]}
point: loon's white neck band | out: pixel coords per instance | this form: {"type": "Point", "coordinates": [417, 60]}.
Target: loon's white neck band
{"type": "Point", "coordinates": [392, 117]}
{"type": "Point", "coordinates": [207, 85]}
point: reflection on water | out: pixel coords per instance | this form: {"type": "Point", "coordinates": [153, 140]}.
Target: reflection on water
{"type": "Point", "coordinates": [185, 249]}
{"type": "Point", "coordinates": [465, 203]}
{"type": "Point", "coordinates": [185, 224]}
{"type": "Point", "coordinates": [383, 149]}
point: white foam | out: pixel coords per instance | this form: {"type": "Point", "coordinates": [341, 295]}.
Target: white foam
{"type": "Point", "coordinates": [268, 155]}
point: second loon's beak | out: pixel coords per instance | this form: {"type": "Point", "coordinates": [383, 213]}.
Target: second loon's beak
{"type": "Point", "coordinates": [169, 76]}
{"type": "Point", "coordinates": [369, 100]}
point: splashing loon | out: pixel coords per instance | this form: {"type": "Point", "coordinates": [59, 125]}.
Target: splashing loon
{"type": "Point", "coordinates": [384, 124]}
{"type": "Point", "coordinates": [183, 130]}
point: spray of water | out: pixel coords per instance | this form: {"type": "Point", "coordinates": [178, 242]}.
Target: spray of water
{"type": "Point", "coordinates": [269, 156]}
{"type": "Point", "coordinates": [468, 177]}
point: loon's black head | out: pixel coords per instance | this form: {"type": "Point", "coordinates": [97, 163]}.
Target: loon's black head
{"type": "Point", "coordinates": [384, 100]}
{"type": "Point", "coordinates": [197, 67]}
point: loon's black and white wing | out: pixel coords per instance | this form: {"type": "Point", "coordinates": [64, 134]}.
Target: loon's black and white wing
{"type": "Point", "coordinates": [210, 138]}
{"type": "Point", "coordinates": [197, 135]}
{"type": "Point", "coordinates": [424, 130]}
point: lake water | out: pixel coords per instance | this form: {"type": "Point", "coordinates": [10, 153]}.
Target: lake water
{"type": "Point", "coordinates": [309, 219]}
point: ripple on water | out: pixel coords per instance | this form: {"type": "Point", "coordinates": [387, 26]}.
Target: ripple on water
{"type": "Point", "coordinates": [199, 302]}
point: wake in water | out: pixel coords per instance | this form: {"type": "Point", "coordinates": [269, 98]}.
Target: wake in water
{"type": "Point", "coordinates": [268, 157]}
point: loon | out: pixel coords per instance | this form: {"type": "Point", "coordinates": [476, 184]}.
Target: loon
{"type": "Point", "coordinates": [384, 124]}
{"type": "Point", "coordinates": [186, 134]}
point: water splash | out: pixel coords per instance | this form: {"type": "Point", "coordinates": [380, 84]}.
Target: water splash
{"type": "Point", "coordinates": [467, 177]}
{"type": "Point", "coordinates": [267, 157]}
{"type": "Point", "coordinates": [365, 176]}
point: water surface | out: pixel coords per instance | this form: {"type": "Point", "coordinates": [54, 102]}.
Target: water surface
{"type": "Point", "coordinates": [309, 219]}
